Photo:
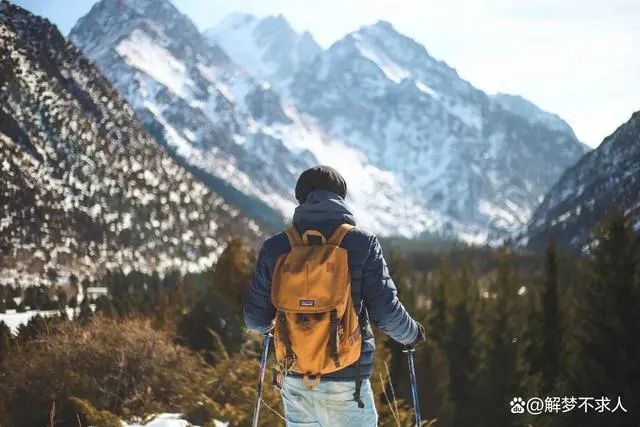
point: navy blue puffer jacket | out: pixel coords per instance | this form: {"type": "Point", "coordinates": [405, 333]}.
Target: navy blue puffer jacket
{"type": "Point", "coordinates": [372, 288]}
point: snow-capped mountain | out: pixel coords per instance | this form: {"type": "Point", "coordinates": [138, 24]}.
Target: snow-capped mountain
{"type": "Point", "coordinates": [84, 185]}
{"type": "Point", "coordinates": [213, 115]}
{"type": "Point", "coordinates": [484, 161]}
{"type": "Point", "coordinates": [268, 48]}
{"type": "Point", "coordinates": [604, 179]}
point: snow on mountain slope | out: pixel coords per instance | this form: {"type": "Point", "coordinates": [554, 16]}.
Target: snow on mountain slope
{"type": "Point", "coordinates": [269, 49]}
{"type": "Point", "coordinates": [463, 153]}
{"type": "Point", "coordinates": [529, 111]}
{"type": "Point", "coordinates": [604, 179]}
{"type": "Point", "coordinates": [84, 186]}
{"type": "Point", "coordinates": [218, 118]}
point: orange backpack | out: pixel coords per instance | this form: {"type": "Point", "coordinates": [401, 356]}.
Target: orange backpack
{"type": "Point", "coordinates": [316, 330]}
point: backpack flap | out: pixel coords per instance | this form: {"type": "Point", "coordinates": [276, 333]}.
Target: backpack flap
{"type": "Point", "coordinates": [311, 279]}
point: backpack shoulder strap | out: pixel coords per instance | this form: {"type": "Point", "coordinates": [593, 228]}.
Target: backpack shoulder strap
{"type": "Point", "coordinates": [293, 236]}
{"type": "Point", "coordinates": [338, 235]}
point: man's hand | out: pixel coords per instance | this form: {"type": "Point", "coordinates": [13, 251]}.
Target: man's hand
{"type": "Point", "coordinates": [421, 337]}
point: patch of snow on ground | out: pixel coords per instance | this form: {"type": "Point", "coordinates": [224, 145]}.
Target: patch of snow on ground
{"type": "Point", "coordinates": [13, 319]}
{"type": "Point", "coordinates": [171, 420]}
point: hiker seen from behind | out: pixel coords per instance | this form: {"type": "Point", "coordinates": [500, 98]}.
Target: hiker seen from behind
{"type": "Point", "coordinates": [318, 286]}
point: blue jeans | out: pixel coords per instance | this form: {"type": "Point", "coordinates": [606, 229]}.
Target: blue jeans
{"type": "Point", "coordinates": [330, 404]}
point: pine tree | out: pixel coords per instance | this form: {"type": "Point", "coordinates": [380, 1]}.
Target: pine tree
{"type": "Point", "coordinates": [32, 329]}
{"type": "Point", "coordinates": [10, 303]}
{"type": "Point", "coordinates": [232, 273]}
{"type": "Point", "coordinates": [607, 336]}
{"type": "Point", "coordinates": [6, 342]}
{"type": "Point", "coordinates": [533, 337]}
{"type": "Point", "coordinates": [31, 298]}
{"type": "Point", "coordinates": [461, 350]}
{"type": "Point", "coordinates": [438, 313]}
{"type": "Point", "coordinates": [211, 314]}
{"type": "Point", "coordinates": [432, 377]}
{"type": "Point", "coordinates": [551, 327]}
{"type": "Point", "coordinates": [62, 298]}
{"type": "Point", "coordinates": [86, 283]}
{"type": "Point", "coordinates": [162, 314]}
{"type": "Point", "coordinates": [85, 314]}
{"type": "Point", "coordinates": [506, 370]}
{"type": "Point", "coordinates": [104, 305]}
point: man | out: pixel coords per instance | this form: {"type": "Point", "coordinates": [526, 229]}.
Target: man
{"type": "Point", "coordinates": [320, 192]}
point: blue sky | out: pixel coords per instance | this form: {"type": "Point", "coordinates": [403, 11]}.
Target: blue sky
{"type": "Point", "coordinates": [576, 58]}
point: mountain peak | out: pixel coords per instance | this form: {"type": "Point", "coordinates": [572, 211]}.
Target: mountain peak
{"type": "Point", "coordinates": [268, 48]}
{"type": "Point", "coordinates": [384, 25]}
{"type": "Point", "coordinates": [109, 23]}
{"type": "Point", "coordinates": [236, 19]}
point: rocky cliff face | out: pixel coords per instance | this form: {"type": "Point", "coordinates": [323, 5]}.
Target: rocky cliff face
{"type": "Point", "coordinates": [607, 178]}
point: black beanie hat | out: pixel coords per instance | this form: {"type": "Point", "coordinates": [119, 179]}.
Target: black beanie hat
{"type": "Point", "coordinates": [320, 177]}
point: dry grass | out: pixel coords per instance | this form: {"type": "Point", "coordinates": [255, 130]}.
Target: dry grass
{"type": "Point", "coordinates": [125, 368]}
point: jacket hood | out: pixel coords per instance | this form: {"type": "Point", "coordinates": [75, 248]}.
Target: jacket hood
{"type": "Point", "coordinates": [323, 206]}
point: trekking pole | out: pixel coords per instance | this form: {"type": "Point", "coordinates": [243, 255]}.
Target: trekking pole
{"type": "Point", "coordinates": [263, 368]}
{"type": "Point", "coordinates": [414, 386]}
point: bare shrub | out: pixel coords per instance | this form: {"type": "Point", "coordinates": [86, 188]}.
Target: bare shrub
{"type": "Point", "coordinates": [125, 368]}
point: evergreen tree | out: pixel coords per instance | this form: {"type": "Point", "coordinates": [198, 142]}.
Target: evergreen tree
{"type": "Point", "coordinates": [533, 337]}
{"type": "Point", "coordinates": [73, 285]}
{"type": "Point", "coordinates": [31, 298]}
{"type": "Point", "coordinates": [85, 314]}
{"type": "Point", "coordinates": [607, 336]}
{"type": "Point", "coordinates": [3, 306]}
{"type": "Point", "coordinates": [232, 273]}
{"type": "Point", "coordinates": [6, 341]}
{"type": "Point", "coordinates": [62, 297]}
{"type": "Point", "coordinates": [162, 314]}
{"type": "Point", "coordinates": [177, 299]}
{"type": "Point", "coordinates": [155, 287]}
{"type": "Point", "coordinates": [461, 350]}
{"type": "Point", "coordinates": [551, 328]}
{"type": "Point", "coordinates": [211, 313]}
{"type": "Point", "coordinates": [86, 284]}
{"type": "Point", "coordinates": [506, 371]}
{"type": "Point", "coordinates": [29, 332]}
{"type": "Point", "coordinates": [432, 377]}
{"type": "Point", "coordinates": [104, 305]}
{"type": "Point", "coordinates": [10, 303]}
{"type": "Point", "coordinates": [438, 313]}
